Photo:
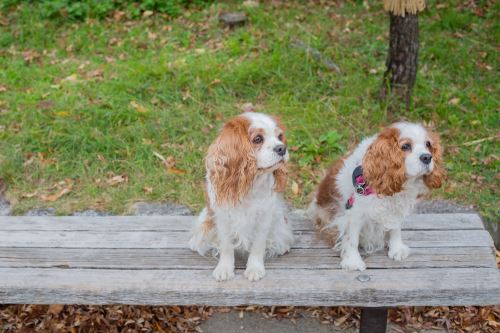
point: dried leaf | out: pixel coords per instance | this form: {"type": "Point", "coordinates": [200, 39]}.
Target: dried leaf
{"type": "Point", "coordinates": [3, 88]}
{"type": "Point", "coordinates": [115, 180]}
{"type": "Point", "coordinates": [295, 188]}
{"type": "Point", "coordinates": [55, 197]}
{"type": "Point", "coordinates": [176, 171]}
{"type": "Point", "coordinates": [138, 107]}
{"type": "Point", "coordinates": [55, 309]}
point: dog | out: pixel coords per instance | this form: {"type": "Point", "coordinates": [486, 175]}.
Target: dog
{"type": "Point", "coordinates": [245, 176]}
{"type": "Point", "coordinates": [368, 193]}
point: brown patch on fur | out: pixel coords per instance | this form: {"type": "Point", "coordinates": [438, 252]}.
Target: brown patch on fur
{"type": "Point", "coordinates": [438, 175]}
{"type": "Point", "coordinates": [231, 162]}
{"type": "Point", "coordinates": [383, 163]}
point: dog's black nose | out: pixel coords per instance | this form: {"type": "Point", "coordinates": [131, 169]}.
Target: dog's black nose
{"type": "Point", "coordinates": [426, 158]}
{"type": "Point", "coordinates": [280, 150]}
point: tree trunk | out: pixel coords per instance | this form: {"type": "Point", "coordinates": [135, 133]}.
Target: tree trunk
{"type": "Point", "coordinates": [401, 72]}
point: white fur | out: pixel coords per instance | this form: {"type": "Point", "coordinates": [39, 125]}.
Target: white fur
{"type": "Point", "coordinates": [372, 217]}
{"type": "Point", "coordinates": [257, 224]}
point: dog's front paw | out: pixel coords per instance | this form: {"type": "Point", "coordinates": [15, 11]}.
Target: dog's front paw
{"type": "Point", "coordinates": [223, 272]}
{"type": "Point", "coordinates": [353, 262]}
{"type": "Point", "coordinates": [399, 252]}
{"type": "Point", "coordinates": [255, 273]}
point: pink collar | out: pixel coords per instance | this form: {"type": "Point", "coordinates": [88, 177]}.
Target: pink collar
{"type": "Point", "coordinates": [360, 186]}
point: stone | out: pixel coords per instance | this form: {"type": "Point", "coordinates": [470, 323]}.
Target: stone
{"type": "Point", "coordinates": [232, 20]}
{"type": "Point", "coordinates": [90, 212]}
{"type": "Point", "coordinates": [4, 207]}
{"type": "Point", "coordinates": [159, 208]}
{"type": "Point", "coordinates": [41, 212]}
{"type": "Point", "coordinates": [441, 207]}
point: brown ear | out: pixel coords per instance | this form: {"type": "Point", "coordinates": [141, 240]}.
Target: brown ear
{"type": "Point", "coordinates": [438, 175]}
{"type": "Point", "coordinates": [231, 163]}
{"type": "Point", "coordinates": [383, 163]}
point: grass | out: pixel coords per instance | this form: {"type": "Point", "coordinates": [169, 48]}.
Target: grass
{"type": "Point", "coordinates": [87, 104]}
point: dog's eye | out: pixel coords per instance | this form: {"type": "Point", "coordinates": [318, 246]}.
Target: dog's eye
{"type": "Point", "coordinates": [406, 147]}
{"type": "Point", "coordinates": [280, 137]}
{"type": "Point", "coordinates": [258, 139]}
{"type": "Point", "coordinates": [428, 144]}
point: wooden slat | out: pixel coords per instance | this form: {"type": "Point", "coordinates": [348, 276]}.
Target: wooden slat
{"type": "Point", "coordinates": [448, 286]}
{"type": "Point", "coordinates": [170, 223]}
{"type": "Point", "coordinates": [179, 239]}
{"type": "Point", "coordinates": [185, 259]}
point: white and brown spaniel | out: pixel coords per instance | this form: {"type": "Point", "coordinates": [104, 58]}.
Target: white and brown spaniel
{"type": "Point", "coordinates": [370, 192]}
{"type": "Point", "coordinates": [246, 173]}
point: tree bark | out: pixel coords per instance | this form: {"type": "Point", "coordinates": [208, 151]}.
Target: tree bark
{"type": "Point", "coordinates": [402, 57]}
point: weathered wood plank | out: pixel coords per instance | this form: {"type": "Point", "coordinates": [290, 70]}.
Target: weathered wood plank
{"type": "Point", "coordinates": [449, 286]}
{"type": "Point", "coordinates": [186, 259]}
{"type": "Point", "coordinates": [179, 239]}
{"type": "Point", "coordinates": [182, 223]}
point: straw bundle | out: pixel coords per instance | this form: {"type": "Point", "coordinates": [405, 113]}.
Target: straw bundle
{"type": "Point", "coordinates": [403, 7]}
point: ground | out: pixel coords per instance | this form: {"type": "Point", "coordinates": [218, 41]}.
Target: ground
{"type": "Point", "coordinates": [102, 113]}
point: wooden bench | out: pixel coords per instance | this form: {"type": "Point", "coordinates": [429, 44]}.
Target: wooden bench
{"type": "Point", "coordinates": [145, 260]}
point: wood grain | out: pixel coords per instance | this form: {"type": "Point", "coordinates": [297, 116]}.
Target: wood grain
{"type": "Point", "coordinates": [180, 223]}
{"type": "Point", "coordinates": [145, 260]}
{"type": "Point", "coordinates": [179, 239]}
{"type": "Point", "coordinates": [447, 286]}
{"type": "Point", "coordinates": [185, 259]}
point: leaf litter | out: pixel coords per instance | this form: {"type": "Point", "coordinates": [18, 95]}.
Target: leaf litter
{"type": "Point", "coordinates": [127, 318]}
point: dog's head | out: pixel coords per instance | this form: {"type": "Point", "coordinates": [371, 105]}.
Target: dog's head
{"type": "Point", "coordinates": [401, 152]}
{"type": "Point", "coordinates": [249, 144]}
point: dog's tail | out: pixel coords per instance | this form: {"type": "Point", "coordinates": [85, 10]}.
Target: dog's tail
{"type": "Point", "coordinates": [203, 235]}
{"type": "Point", "coordinates": [325, 204]}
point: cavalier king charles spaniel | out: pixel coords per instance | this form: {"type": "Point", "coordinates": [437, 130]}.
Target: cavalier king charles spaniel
{"type": "Point", "coordinates": [369, 192]}
{"type": "Point", "coordinates": [245, 175]}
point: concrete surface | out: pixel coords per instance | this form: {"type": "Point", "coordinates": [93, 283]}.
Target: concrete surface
{"type": "Point", "coordinates": [256, 323]}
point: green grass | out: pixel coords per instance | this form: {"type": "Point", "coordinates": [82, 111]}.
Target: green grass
{"type": "Point", "coordinates": [68, 118]}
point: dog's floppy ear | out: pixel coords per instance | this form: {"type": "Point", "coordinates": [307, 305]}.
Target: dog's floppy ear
{"type": "Point", "coordinates": [383, 163]}
{"type": "Point", "coordinates": [438, 175]}
{"type": "Point", "coordinates": [230, 162]}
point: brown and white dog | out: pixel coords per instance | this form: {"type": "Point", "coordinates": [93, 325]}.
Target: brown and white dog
{"type": "Point", "coordinates": [246, 171]}
{"type": "Point", "coordinates": [370, 192]}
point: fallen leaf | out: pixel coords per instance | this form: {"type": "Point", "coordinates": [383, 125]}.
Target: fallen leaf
{"type": "Point", "coordinates": [29, 195]}
{"type": "Point", "coordinates": [71, 79]}
{"type": "Point", "coordinates": [454, 101]}
{"type": "Point", "coordinates": [55, 197]}
{"type": "Point", "coordinates": [147, 189]}
{"type": "Point", "coordinates": [3, 88]}
{"type": "Point", "coordinates": [248, 107]}
{"type": "Point", "coordinates": [176, 171]}
{"type": "Point", "coordinates": [95, 74]}
{"type": "Point", "coordinates": [147, 13]}
{"type": "Point", "coordinates": [138, 107]}
{"type": "Point", "coordinates": [55, 309]}
{"type": "Point", "coordinates": [295, 188]}
{"type": "Point", "coordinates": [46, 105]}
{"type": "Point", "coordinates": [115, 180]}
{"type": "Point", "coordinates": [118, 15]}
{"type": "Point", "coordinates": [169, 162]}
